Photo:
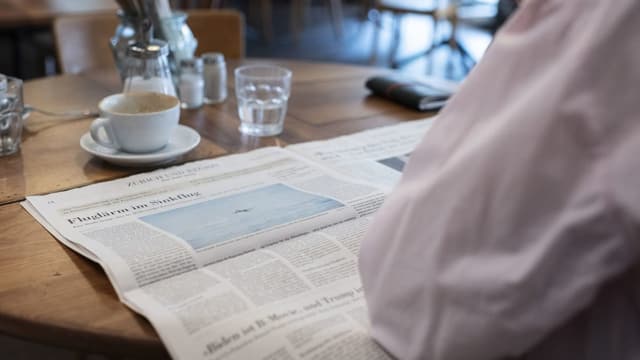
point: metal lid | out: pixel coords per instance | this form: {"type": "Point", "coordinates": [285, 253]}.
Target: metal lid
{"type": "Point", "coordinates": [193, 63]}
{"type": "Point", "coordinates": [151, 50]}
{"type": "Point", "coordinates": [211, 58]}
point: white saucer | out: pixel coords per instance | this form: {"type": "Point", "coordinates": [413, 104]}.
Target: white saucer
{"type": "Point", "coordinates": [183, 140]}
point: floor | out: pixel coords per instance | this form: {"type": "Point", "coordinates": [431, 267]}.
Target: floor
{"type": "Point", "coordinates": [317, 42]}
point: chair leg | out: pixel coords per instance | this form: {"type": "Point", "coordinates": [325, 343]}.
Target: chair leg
{"type": "Point", "coordinates": [395, 41]}
{"type": "Point", "coordinates": [434, 44]}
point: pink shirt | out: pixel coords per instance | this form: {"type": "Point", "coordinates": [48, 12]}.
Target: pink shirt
{"type": "Point", "coordinates": [515, 227]}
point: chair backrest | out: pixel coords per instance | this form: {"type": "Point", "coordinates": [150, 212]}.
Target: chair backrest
{"type": "Point", "coordinates": [218, 30]}
{"type": "Point", "coordinates": [82, 42]}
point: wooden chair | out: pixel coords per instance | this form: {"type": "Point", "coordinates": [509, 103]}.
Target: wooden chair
{"type": "Point", "coordinates": [218, 30]}
{"type": "Point", "coordinates": [82, 42]}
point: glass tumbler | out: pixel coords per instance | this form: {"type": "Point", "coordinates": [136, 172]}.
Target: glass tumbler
{"type": "Point", "coordinates": [262, 92]}
{"type": "Point", "coordinates": [11, 109]}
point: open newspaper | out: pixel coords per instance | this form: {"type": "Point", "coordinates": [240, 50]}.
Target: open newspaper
{"type": "Point", "coordinates": [248, 256]}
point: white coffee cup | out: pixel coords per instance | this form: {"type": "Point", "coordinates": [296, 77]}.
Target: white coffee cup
{"type": "Point", "coordinates": [136, 122]}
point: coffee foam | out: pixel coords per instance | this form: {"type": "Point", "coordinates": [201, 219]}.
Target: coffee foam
{"type": "Point", "coordinates": [141, 102]}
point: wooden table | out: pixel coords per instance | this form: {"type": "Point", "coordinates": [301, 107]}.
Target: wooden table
{"type": "Point", "coordinates": [50, 294]}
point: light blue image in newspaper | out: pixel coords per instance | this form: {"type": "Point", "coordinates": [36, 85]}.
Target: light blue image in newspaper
{"type": "Point", "coordinates": [218, 220]}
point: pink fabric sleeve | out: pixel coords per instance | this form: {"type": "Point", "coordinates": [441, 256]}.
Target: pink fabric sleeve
{"type": "Point", "coordinates": [522, 199]}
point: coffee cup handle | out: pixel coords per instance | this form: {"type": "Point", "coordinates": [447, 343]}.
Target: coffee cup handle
{"type": "Point", "coordinates": [104, 123]}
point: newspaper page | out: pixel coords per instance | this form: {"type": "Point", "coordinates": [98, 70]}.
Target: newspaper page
{"type": "Point", "coordinates": [250, 256]}
{"type": "Point", "coordinates": [376, 156]}
{"type": "Point", "coordinates": [297, 299]}
{"type": "Point", "coordinates": [156, 225]}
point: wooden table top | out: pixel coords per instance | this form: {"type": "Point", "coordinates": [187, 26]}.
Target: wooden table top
{"type": "Point", "coordinates": [24, 13]}
{"type": "Point", "coordinates": [50, 294]}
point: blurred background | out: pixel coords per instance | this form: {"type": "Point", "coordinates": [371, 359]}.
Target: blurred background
{"type": "Point", "coordinates": [384, 33]}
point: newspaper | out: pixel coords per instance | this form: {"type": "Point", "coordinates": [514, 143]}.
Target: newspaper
{"type": "Point", "coordinates": [248, 256]}
{"type": "Point", "coordinates": [377, 156]}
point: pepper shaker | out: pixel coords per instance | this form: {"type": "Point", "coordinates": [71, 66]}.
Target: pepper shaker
{"type": "Point", "coordinates": [215, 78]}
{"type": "Point", "coordinates": [191, 83]}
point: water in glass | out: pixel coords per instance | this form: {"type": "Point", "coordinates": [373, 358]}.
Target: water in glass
{"type": "Point", "coordinates": [262, 109]}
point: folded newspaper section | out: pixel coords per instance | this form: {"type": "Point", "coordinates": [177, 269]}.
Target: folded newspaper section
{"type": "Point", "coordinates": [245, 256]}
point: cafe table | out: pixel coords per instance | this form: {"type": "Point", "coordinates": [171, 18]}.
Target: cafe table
{"type": "Point", "coordinates": [50, 294]}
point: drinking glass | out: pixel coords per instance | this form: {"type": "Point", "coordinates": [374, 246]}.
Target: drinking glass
{"type": "Point", "coordinates": [262, 92]}
{"type": "Point", "coordinates": [11, 109]}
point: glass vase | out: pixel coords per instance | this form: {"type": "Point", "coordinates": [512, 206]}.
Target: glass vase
{"type": "Point", "coordinates": [182, 44]}
{"type": "Point", "coordinates": [125, 34]}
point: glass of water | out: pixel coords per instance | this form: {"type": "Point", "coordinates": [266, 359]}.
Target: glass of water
{"type": "Point", "coordinates": [262, 92]}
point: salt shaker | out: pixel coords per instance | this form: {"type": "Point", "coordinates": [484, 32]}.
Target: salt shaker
{"type": "Point", "coordinates": [215, 78]}
{"type": "Point", "coordinates": [191, 83]}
